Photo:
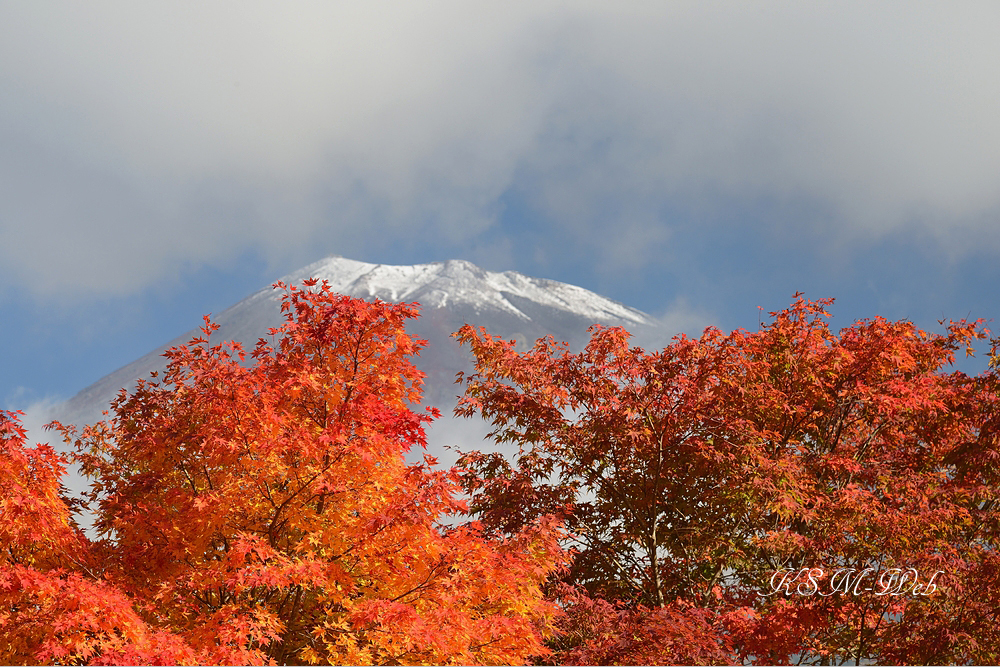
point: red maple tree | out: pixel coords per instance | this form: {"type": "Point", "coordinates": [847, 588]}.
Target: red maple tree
{"type": "Point", "coordinates": [717, 495]}
{"type": "Point", "coordinates": [689, 476]}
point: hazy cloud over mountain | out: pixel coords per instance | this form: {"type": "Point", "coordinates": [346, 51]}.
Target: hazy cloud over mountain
{"type": "Point", "coordinates": [137, 139]}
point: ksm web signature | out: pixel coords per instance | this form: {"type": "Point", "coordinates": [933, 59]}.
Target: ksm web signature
{"type": "Point", "coordinates": [851, 581]}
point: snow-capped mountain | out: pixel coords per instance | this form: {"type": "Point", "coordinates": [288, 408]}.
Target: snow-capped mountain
{"type": "Point", "coordinates": [449, 293]}
{"type": "Point", "coordinates": [463, 284]}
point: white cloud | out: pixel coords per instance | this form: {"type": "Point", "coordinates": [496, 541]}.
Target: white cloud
{"type": "Point", "coordinates": [36, 416]}
{"type": "Point", "coordinates": [138, 137]}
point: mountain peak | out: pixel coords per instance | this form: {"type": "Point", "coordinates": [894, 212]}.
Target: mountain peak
{"type": "Point", "coordinates": [460, 282]}
{"type": "Point", "coordinates": [451, 293]}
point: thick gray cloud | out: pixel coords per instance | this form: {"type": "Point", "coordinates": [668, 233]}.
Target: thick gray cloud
{"type": "Point", "coordinates": [136, 138]}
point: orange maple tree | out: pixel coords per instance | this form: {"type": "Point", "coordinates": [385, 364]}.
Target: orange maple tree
{"type": "Point", "coordinates": [691, 476]}
{"type": "Point", "coordinates": [261, 510]}
{"type": "Point", "coordinates": [264, 512]}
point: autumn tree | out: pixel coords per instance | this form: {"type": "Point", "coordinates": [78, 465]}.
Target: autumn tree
{"type": "Point", "coordinates": [52, 607]}
{"type": "Point", "coordinates": [263, 511]}
{"type": "Point", "coordinates": [689, 476]}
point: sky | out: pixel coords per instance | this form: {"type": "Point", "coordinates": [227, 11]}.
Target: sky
{"type": "Point", "coordinates": [698, 161]}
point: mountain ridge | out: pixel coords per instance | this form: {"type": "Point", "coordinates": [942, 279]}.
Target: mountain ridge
{"type": "Point", "coordinates": [451, 293]}
{"type": "Point", "coordinates": [439, 281]}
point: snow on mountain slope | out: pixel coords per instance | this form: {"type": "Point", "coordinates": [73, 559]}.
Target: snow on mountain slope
{"type": "Point", "coordinates": [457, 281]}
{"type": "Point", "coordinates": [450, 293]}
